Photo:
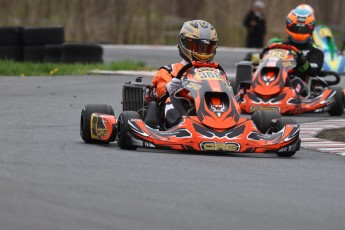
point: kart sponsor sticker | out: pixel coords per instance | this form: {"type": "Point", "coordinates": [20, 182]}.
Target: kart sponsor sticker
{"type": "Point", "coordinates": [288, 63]}
{"type": "Point", "coordinates": [220, 146]}
{"type": "Point", "coordinates": [271, 108]}
{"type": "Point", "coordinates": [301, 19]}
{"type": "Point", "coordinates": [279, 54]}
{"type": "Point", "coordinates": [208, 75]}
{"type": "Point", "coordinates": [135, 120]}
{"type": "Point", "coordinates": [98, 128]}
{"type": "Point", "coordinates": [192, 85]}
{"type": "Point", "coordinates": [314, 65]}
{"type": "Point", "coordinates": [271, 64]}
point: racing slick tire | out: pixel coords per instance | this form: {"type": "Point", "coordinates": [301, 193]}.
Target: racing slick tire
{"type": "Point", "coordinates": [85, 120]}
{"type": "Point", "coordinates": [123, 140]}
{"type": "Point", "coordinates": [337, 109]}
{"type": "Point", "coordinates": [262, 119]}
{"type": "Point", "coordinates": [279, 125]}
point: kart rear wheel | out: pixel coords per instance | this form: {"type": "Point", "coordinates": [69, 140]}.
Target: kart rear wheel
{"type": "Point", "coordinates": [262, 119]}
{"type": "Point", "coordinates": [85, 120]}
{"type": "Point", "coordinates": [123, 140]}
{"type": "Point", "coordinates": [337, 108]}
{"type": "Point", "coordinates": [279, 125]}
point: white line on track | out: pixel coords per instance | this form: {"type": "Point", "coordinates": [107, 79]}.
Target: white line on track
{"type": "Point", "coordinates": [311, 129]}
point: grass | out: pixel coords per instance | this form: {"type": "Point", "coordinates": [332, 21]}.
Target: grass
{"type": "Point", "coordinates": [332, 134]}
{"type": "Point", "coordinates": [13, 68]}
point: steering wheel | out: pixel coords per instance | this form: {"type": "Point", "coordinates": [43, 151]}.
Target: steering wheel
{"type": "Point", "coordinates": [299, 53]}
{"type": "Point", "coordinates": [190, 65]}
{"type": "Point", "coordinates": [281, 46]}
{"type": "Point", "coordinates": [197, 64]}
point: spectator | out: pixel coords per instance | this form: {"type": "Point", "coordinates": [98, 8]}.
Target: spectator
{"type": "Point", "coordinates": [256, 25]}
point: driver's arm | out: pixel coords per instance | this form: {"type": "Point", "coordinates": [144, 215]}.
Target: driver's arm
{"type": "Point", "coordinates": [161, 78]}
{"type": "Point", "coordinates": [315, 58]}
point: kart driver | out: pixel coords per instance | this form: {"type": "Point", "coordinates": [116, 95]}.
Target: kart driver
{"type": "Point", "coordinates": [300, 23]}
{"type": "Point", "coordinates": [306, 7]}
{"type": "Point", "coordinates": [198, 41]}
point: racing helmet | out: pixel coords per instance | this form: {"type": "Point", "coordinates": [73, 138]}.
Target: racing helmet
{"type": "Point", "coordinates": [305, 7]}
{"type": "Point", "coordinates": [300, 24]}
{"type": "Point", "coordinates": [198, 41]}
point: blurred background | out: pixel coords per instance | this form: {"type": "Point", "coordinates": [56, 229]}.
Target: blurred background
{"type": "Point", "coordinates": [158, 22]}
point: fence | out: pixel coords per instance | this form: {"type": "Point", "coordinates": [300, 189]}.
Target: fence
{"type": "Point", "coordinates": [156, 21]}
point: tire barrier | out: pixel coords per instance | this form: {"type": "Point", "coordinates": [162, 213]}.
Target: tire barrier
{"type": "Point", "coordinates": [11, 36]}
{"type": "Point", "coordinates": [52, 53]}
{"type": "Point", "coordinates": [38, 44]}
{"type": "Point", "coordinates": [36, 38]}
{"type": "Point", "coordinates": [43, 35]}
{"type": "Point", "coordinates": [11, 43]}
{"type": "Point", "coordinates": [11, 53]}
{"type": "Point", "coordinates": [33, 53]}
{"type": "Point", "coordinates": [81, 53]}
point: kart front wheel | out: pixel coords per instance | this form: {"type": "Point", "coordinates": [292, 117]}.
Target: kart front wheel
{"type": "Point", "coordinates": [263, 119]}
{"type": "Point", "coordinates": [123, 140]}
{"type": "Point", "coordinates": [337, 109]}
{"type": "Point", "coordinates": [279, 125]}
{"type": "Point", "coordinates": [85, 120]}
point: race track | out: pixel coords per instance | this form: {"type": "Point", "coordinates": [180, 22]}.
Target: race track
{"type": "Point", "coordinates": [50, 179]}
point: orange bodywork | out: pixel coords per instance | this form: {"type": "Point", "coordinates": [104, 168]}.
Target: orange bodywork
{"type": "Point", "coordinates": [217, 125]}
{"type": "Point", "coordinates": [102, 126]}
{"type": "Point", "coordinates": [217, 107]}
{"type": "Point", "coordinates": [286, 102]}
{"type": "Point", "coordinates": [271, 89]}
{"type": "Point", "coordinates": [192, 135]}
{"type": "Point", "coordinates": [162, 77]}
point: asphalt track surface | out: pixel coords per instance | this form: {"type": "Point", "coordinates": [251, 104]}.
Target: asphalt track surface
{"type": "Point", "coordinates": [50, 179]}
{"type": "Point", "coordinates": [157, 56]}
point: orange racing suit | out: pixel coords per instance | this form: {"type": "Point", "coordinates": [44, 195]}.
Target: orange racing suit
{"type": "Point", "coordinates": [161, 78]}
{"type": "Point", "coordinates": [164, 75]}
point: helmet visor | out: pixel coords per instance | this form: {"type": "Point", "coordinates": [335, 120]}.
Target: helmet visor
{"type": "Point", "coordinates": [200, 45]}
{"type": "Point", "coordinates": [304, 29]}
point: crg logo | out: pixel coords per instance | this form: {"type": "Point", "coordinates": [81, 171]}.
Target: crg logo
{"type": "Point", "coordinates": [216, 146]}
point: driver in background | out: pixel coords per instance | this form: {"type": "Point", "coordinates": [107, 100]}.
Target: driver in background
{"type": "Point", "coordinates": [300, 23]}
{"type": "Point", "coordinates": [198, 41]}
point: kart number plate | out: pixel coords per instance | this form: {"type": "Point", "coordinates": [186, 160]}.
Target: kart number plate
{"type": "Point", "coordinates": [279, 53]}
{"type": "Point", "coordinates": [208, 75]}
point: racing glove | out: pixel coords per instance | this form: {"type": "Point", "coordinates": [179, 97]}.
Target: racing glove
{"type": "Point", "coordinates": [173, 85]}
{"type": "Point", "coordinates": [302, 64]}
{"type": "Point", "coordinates": [263, 51]}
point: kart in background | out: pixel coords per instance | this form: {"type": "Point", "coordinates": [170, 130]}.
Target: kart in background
{"type": "Point", "coordinates": [211, 122]}
{"type": "Point", "coordinates": [275, 87]}
{"type": "Point", "coordinates": [334, 58]}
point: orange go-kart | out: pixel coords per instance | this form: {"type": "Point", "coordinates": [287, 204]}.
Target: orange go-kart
{"type": "Point", "coordinates": [275, 86]}
{"type": "Point", "coordinates": [210, 119]}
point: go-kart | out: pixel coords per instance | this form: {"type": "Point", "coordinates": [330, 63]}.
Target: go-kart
{"type": "Point", "coordinates": [275, 86]}
{"type": "Point", "coordinates": [334, 58]}
{"type": "Point", "coordinates": [210, 119]}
